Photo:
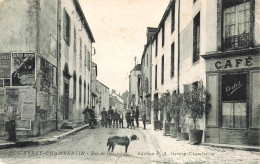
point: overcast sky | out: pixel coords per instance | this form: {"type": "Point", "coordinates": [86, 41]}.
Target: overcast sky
{"type": "Point", "coordinates": [119, 28]}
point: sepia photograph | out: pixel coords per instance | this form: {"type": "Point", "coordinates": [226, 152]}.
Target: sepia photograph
{"type": "Point", "coordinates": [129, 81]}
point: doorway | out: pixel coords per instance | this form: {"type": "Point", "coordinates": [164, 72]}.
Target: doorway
{"type": "Point", "coordinates": [66, 100]}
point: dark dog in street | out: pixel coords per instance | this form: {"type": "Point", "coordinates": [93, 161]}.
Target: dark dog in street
{"type": "Point", "coordinates": [123, 141]}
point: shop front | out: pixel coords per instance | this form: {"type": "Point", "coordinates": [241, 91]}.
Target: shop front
{"type": "Point", "coordinates": [233, 81]}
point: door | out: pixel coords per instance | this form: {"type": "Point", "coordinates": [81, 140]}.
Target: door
{"type": "Point", "coordinates": [66, 101]}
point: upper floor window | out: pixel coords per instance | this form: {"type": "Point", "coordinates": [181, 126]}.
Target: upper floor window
{"type": "Point", "coordinates": [162, 75]}
{"type": "Point", "coordinates": [173, 17]}
{"type": "Point", "coordinates": [85, 52]}
{"type": "Point", "coordinates": [66, 27]}
{"type": "Point", "coordinates": [196, 38]}
{"type": "Point", "coordinates": [236, 26]}
{"type": "Point", "coordinates": [80, 53]}
{"type": "Point", "coordinates": [156, 46]}
{"type": "Point", "coordinates": [75, 41]}
{"type": "Point", "coordinates": [147, 60]}
{"type": "Point", "coordinates": [155, 77]}
{"type": "Point", "coordinates": [172, 59]}
{"type": "Point", "coordinates": [163, 34]}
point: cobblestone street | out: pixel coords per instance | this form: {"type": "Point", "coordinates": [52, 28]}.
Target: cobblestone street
{"type": "Point", "coordinates": [89, 146]}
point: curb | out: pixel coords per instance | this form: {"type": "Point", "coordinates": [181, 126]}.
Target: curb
{"type": "Point", "coordinates": [237, 147]}
{"type": "Point", "coordinates": [45, 141]}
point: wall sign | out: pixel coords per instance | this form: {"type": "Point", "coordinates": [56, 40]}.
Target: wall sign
{"type": "Point", "coordinates": [234, 87]}
{"type": "Point", "coordinates": [232, 63]}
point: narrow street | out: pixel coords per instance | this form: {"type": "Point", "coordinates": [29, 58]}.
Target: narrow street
{"type": "Point", "coordinates": [89, 146]}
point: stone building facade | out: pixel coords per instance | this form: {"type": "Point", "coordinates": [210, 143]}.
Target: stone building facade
{"type": "Point", "coordinates": [134, 85]}
{"type": "Point", "coordinates": [38, 63]}
{"type": "Point", "coordinates": [215, 44]}
{"type": "Point", "coordinates": [102, 97]}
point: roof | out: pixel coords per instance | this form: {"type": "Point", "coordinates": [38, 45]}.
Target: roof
{"type": "Point", "coordinates": [86, 26]}
{"type": "Point", "coordinates": [166, 13]}
{"type": "Point", "coordinates": [137, 67]}
{"type": "Point", "coordinates": [102, 84]}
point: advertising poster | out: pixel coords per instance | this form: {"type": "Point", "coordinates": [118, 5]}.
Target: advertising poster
{"type": "Point", "coordinates": [43, 100]}
{"type": "Point", "coordinates": [23, 69]}
{"type": "Point", "coordinates": [5, 65]}
{"type": "Point", "coordinates": [12, 97]}
{"type": "Point", "coordinates": [27, 100]}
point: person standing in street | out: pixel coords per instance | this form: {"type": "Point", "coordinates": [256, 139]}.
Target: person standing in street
{"type": "Point", "coordinates": [137, 116]}
{"type": "Point", "coordinates": [132, 117]}
{"type": "Point", "coordinates": [121, 119]}
{"type": "Point", "coordinates": [103, 117]}
{"type": "Point", "coordinates": [110, 114]}
{"type": "Point", "coordinates": [144, 119]}
{"type": "Point", "coordinates": [127, 117]}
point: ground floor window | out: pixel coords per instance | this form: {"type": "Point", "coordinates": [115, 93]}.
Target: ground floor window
{"type": "Point", "coordinates": [234, 100]}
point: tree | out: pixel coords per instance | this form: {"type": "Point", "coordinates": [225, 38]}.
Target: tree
{"type": "Point", "coordinates": [164, 104]}
{"type": "Point", "coordinates": [196, 103]}
{"type": "Point", "coordinates": [176, 106]}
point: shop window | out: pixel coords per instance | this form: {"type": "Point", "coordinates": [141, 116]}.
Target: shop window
{"type": "Point", "coordinates": [4, 82]}
{"type": "Point", "coordinates": [236, 25]}
{"type": "Point", "coordinates": [234, 100]}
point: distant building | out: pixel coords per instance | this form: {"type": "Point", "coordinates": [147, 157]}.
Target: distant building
{"type": "Point", "coordinates": [102, 97]}
{"type": "Point", "coordinates": [146, 74]}
{"type": "Point", "coordinates": [94, 74]}
{"type": "Point", "coordinates": [115, 101]}
{"type": "Point", "coordinates": [134, 84]}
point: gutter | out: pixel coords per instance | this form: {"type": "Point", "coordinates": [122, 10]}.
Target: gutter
{"type": "Point", "coordinates": [178, 77]}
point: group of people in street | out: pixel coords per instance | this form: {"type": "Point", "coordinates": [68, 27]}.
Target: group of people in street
{"type": "Point", "coordinates": [115, 118]}
{"type": "Point", "coordinates": [111, 118]}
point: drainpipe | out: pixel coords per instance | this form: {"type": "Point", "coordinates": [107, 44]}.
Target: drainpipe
{"type": "Point", "coordinates": [178, 77]}
{"type": "Point", "coordinates": [58, 55]}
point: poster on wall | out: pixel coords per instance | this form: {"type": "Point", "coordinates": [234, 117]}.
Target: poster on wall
{"type": "Point", "coordinates": [12, 97]}
{"type": "Point", "coordinates": [23, 125]}
{"type": "Point", "coordinates": [2, 100]}
{"type": "Point", "coordinates": [5, 65]}
{"type": "Point", "coordinates": [43, 100]}
{"type": "Point", "coordinates": [23, 69]}
{"type": "Point", "coordinates": [27, 99]}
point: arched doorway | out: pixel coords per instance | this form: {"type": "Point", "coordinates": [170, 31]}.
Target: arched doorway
{"type": "Point", "coordinates": [66, 81]}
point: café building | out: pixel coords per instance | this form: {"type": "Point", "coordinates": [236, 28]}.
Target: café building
{"type": "Point", "coordinates": [233, 79]}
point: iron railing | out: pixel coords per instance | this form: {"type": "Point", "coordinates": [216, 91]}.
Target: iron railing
{"type": "Point", "coordinates": [236, 41]}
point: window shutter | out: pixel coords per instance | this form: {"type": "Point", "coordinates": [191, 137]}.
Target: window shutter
{"type": "Point", "coordinates": [69, 26]}
{"type": "Point", "coordinates": [64, 23]}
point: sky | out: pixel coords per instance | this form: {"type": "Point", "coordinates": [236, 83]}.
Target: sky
{"type": "Point", "coordinates": [119, 28]}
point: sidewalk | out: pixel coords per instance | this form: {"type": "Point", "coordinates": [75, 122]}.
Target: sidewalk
{"type": "Point", "coordinates": [237, 147]}
{"type": "Point", "coordinates": [51, 137]}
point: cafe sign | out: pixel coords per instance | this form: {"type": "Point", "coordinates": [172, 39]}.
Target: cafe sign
{"type": "Point", "coordinates": [233, 63]}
